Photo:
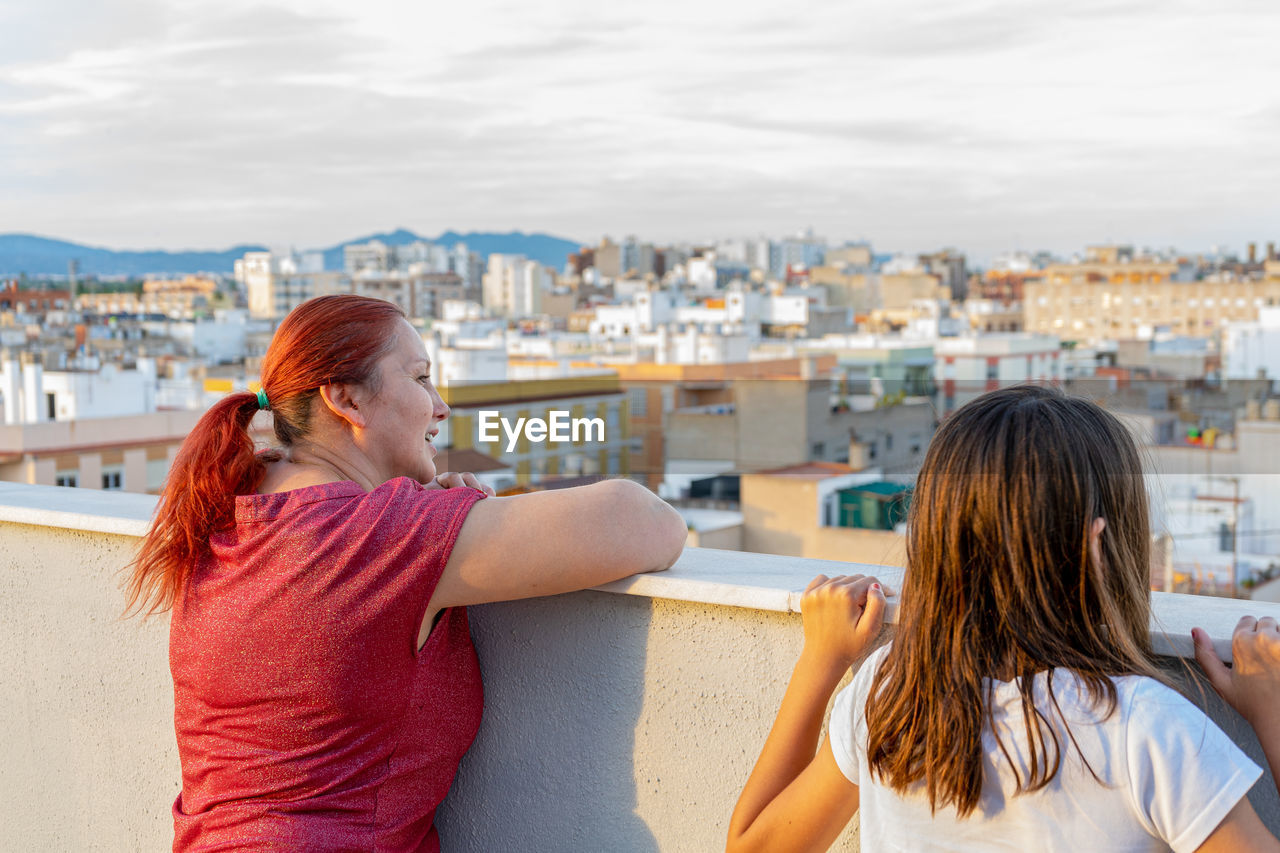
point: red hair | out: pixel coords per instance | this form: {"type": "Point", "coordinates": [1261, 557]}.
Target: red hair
{"type": "Point", "coordinates": [331, 339]}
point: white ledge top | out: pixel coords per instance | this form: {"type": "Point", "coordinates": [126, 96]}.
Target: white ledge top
{"type": "Point", "coordinates": [125, 513]}
{"type": "Point", "coordinates": [701, 575]}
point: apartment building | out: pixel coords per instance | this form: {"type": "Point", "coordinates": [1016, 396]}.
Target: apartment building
{"type": "Point", "coordinates": [971, 366]}
{"type": "Point", "coordinates": [32, 300]}
{"type": "Point", "coordinates": [1252, 349]}
{"type": "Point", "coordinates": [654, 391]}
{"type": "Point", "coordinates": [992, 315]}
{"type": "Point", "coordinates": [514, 286]}
{"type": "Point", "coordinates": [419, 294]}
{"type": "Point", "coordinates": [277, 283]}
{"type": "Point", "coordinates": [376, 259]}
{"type": "Point", "coordinates": [882, 300]}
{"type": "Point", "coordinates": [873, 367]}
{"type": "Point", "coordinates": [775, 423]}
{"type": "Point", "coordinates": [130, 453]}
{"type": "Point", "coordinates": [171, 297]}
{"type": "Point", "coordinates": [1111, 295]}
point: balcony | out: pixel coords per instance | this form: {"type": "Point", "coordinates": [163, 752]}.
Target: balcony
{"type": "Point", "coordinates": [624, 718]}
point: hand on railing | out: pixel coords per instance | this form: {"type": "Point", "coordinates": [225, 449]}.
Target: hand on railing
{"type": "Point", "coordinates": [842, 616]}
{"type": "Point", "coordinates": [1251, 684]}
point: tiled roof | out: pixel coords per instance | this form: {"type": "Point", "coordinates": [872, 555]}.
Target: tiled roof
{"type": "Point", "coordinates": [467, 460]}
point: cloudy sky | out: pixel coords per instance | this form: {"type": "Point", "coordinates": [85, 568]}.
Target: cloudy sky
{"type": "Point", "coordinates": [914, 124]}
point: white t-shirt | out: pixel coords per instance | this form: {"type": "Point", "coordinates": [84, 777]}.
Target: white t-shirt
{"type": "Point", "coordinates": [1169, 776]}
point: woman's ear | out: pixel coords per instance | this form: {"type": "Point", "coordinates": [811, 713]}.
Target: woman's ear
{"type": "Point", "coordinates": [340, 398]}
{"type": "Point", "coordinates": [1095, 536]}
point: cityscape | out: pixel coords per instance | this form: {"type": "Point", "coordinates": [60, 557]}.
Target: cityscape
{"type": "Point", "coordinates": [780, 391]}
{"type": "Point", "coordinates": [717, 274]}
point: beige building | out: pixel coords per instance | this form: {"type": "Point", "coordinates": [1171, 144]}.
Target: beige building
{"type": "Point", "coordinates": [1103, 299]}
{"type": "Point", "coordinates": [907, 296]}
{"type": "Point", "coordinates": [883, 301]}
{"type": "Point", "coordinates": [172, 297]}
{"type": "Point", "coordinates": [856, 290]}
{"type": "Point", "coordinates": [787, 511]}
{"type": "Point", "coordinates": [278, 283]}
{"type": "Point", "coordinates": [655, 391]}
{"type": "Point", "coordinates": [131, 453]}
{"type": "Point", "coordinates": [849, 256]}
{"type": "Point", "coordinates": [417, 294]}
{"type": "Point", "coordinates": [514, 286]}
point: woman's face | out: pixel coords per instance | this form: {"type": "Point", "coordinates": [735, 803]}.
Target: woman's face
{"type": "Point", "coordinates": [402, 419]}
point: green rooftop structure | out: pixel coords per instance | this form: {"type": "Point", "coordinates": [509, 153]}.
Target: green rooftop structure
{"type": "Point", "coordinates": [881, 505]}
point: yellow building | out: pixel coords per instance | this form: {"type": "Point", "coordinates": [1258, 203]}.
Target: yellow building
{"type": "Point", "coordinates": [159, 296]}
{"type": "Point", "coordinates": [1114, 298]}
{"type": "Point", "coordinates": [543, 428]}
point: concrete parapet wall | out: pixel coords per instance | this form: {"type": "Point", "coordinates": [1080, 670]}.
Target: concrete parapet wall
{"type": "Point", "coordinates": [621, 719]}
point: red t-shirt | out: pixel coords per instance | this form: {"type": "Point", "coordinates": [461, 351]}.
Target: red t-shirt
{"type": "Point", "coordinates": [306, 717]}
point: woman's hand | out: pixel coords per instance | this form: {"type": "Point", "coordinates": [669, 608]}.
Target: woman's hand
{"type": "Point", "coordinates": [456, 480]}
{"type": "Point", "coordinates": [842, 616]}
{"type": "Point", "coordinates": [1252, 684]}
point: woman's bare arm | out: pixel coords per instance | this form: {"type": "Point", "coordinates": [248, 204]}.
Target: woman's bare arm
{"type": "Point", "coordinates": [558, 541]}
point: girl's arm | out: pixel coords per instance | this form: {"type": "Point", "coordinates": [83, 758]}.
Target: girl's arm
{"type": "Point", "coordinates": [794, 799]}
{"type": "Point", "coordinates": [1252, 687]}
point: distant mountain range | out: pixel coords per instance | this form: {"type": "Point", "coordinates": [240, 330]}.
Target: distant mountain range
{"type": "Point", "coordinates": [27, 253]}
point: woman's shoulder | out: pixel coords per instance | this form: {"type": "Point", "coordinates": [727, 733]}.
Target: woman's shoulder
{"type": "Point", "coordinates": [344, 497]}
{"type": "Point", "coordinates": [273, 504]}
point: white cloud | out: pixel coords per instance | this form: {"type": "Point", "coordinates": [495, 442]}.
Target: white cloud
{"type": "Point", "coordinates": [912, 124]}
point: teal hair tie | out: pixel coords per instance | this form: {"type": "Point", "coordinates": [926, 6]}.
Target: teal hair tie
{"type": "Point", "coordinates": [262, 399]}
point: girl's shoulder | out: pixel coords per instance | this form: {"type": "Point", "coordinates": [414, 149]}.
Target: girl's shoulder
{"type": "Point", "coordinates": [1145, 698]}
{"type": "Point", "coordinates": [1140, 703]}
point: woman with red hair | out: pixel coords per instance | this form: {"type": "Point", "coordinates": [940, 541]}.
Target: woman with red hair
{"type": "Point", "coordinates": [325, 684]}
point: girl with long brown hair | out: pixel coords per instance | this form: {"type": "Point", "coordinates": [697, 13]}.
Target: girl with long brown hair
{"type": "Point", "coordinates": [325, 683]}
{"type": "Point", "coordinates": [1018, 705]}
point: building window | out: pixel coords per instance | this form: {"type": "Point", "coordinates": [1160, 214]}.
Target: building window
{"type": "Point", "coordinates": [639, 402]}
{"type": "Point", "coordinates": [70, 479]}
{"type": "Point", "coordinates": [818, 450]}
{"type": "Point", "coordinates": [113, 480]}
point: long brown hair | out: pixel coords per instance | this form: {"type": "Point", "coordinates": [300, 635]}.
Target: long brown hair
{"type": "Point", "coordinates": [1000, 583]}
{"type": "Point", "coordinates": [331, 339]}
